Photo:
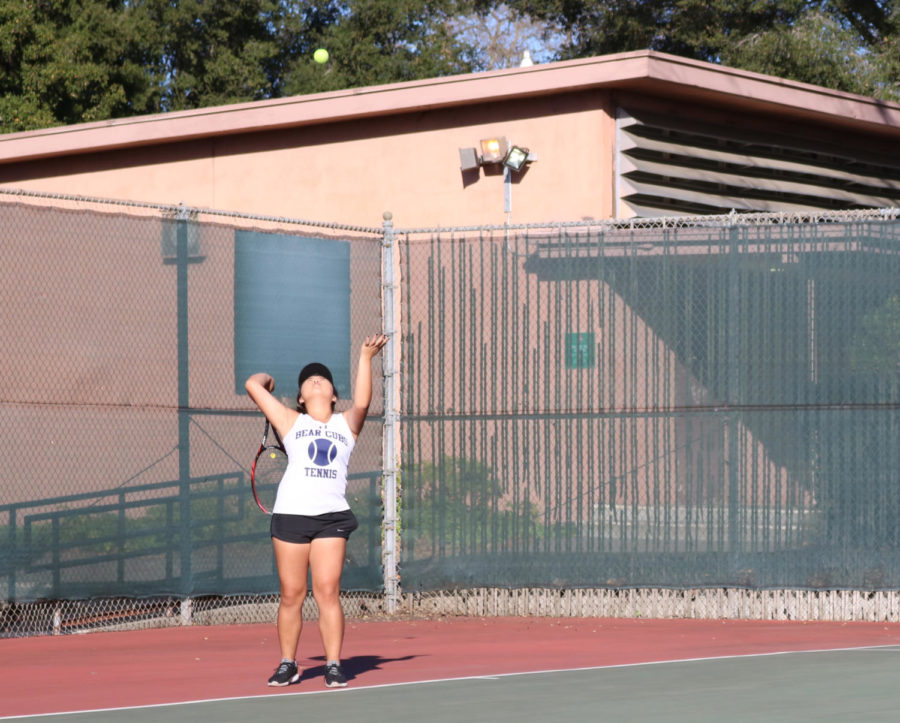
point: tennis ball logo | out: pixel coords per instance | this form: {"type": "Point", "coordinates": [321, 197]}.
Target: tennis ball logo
{"type": "Point", "coordinates": [322, 452]}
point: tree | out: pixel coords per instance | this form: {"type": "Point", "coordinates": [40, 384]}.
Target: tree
{"type": "Point", "coordinates": [851, 45]}
{"type": "Point", "coordinates": [497, 37]}
{"type": "Point", "coordinates": [816, 50]}
{"type": "Point", "coordinates": [825, 49]}
{"type": "Point", "coordinates": [69, 62]}
{"type": "Point", "coordinates": [692, 28]}
{"type": "Point", "coordinates": [72, 61]}
{"type": "Point", "coordinates": [372, 42]}
{"type": "Point", "coordinates": [212, 53]}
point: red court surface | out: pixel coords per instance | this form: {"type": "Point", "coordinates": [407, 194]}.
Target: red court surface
{"type": "Point", "coordinates": [146, 667]}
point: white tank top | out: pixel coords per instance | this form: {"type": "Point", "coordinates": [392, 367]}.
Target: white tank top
{"type": "Point", "coordinates": [315, 481]}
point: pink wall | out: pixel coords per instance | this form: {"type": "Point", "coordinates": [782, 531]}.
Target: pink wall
{"type": "Point", "coordinates": [352, 172]}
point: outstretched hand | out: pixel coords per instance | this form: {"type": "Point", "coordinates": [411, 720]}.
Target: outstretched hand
{"type": "Point", "coordinates": [372, 345]}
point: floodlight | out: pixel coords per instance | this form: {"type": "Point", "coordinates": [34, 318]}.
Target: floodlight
{"type": "Point", "coordinates": [468, 159]}
{"type": "Point", "coordinates": [516, 158]}
{"type": "Point", "coordinates": [493, 150]}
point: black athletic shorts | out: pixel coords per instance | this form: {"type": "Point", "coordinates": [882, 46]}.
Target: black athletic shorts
{"type": "Point", "coordinates": [304, 528]}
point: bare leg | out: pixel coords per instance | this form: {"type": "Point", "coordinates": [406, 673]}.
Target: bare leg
{"type": "Point", "coordinates": [326, 560]}
{"type": "Point", "coordinates": [293, 564]}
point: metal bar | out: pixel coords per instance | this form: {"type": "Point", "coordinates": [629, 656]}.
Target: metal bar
{"type": "Point", "coordinates": [734, 390]}
{"type": "Point", "coordinates": [391, 455]}
{"type": "Point", "coordinates": [184, 402]}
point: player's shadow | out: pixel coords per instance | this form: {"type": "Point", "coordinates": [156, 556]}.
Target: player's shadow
{"type": "Point", "coordinates": [354, 666]}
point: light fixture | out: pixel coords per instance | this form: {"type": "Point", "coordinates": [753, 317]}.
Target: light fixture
{"type": "Point", "coordinates": [493, 150]}
{"type": "Point", "coordinates": [468, 159]}
{"type": "Point", "coordinates": [516, 158]}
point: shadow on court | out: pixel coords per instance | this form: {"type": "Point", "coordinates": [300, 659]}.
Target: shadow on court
{"type": "Point", "coordinates": [354, 666]}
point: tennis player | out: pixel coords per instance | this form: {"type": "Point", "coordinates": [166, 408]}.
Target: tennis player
{"type": "Point", "coordinates": [311, 520]}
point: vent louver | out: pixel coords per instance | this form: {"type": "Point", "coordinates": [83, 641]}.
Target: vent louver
{"type": "Point", "coordinates": [672, 166]}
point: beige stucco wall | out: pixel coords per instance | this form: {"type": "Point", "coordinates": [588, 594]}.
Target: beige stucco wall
{"type": "Point", "coordinates": [352, 172]}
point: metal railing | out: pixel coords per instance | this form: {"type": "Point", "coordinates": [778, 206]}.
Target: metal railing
{"type": "Point", "coordinates": [129, 541]}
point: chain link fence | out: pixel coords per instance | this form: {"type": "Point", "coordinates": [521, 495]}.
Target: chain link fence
{"type": "Point", "coordinates": [700, 402]}
{"type": "Point", "coordinates": [127, 333]}
{"type": "Point", "coordinates": [592, 418]}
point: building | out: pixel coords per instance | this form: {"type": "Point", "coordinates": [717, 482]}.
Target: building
{"type": "Point", "coordinates": [639, 133]}
{"type": "Point", "coordinates": [600, 445]}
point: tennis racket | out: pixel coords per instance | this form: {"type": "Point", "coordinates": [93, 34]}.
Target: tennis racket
{"type": "Point", "coordinates": [268, 469]}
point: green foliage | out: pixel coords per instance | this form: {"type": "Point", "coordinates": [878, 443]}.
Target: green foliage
{"type": "Point", "coordinates": [851, 45]}
{"type": "Point", "coordinates": [373, 42]}
{"type": "Point", "coordinates": [693, 28]}
{"type": "Point", "coordinates": [458, 506]}
{"type": "Point", "coordinates": [875, 348]}
{"type": "Point", "coordinates": [213, 53]}
{"type": "Point", "coordinates": [70, 62]}
{"type": "Point", "coordinates": [816, 49]}
{"type": "Point", "coordinates": [87, 60]}
{"type": "Point", "coordinates": [75, 61]}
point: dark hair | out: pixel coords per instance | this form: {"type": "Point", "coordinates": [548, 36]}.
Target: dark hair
{"type": "Point", "coordinates": [314, 369]}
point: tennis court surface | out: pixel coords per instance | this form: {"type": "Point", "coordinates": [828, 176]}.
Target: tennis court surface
{"type": "Point", "coordinates": [480, 669]}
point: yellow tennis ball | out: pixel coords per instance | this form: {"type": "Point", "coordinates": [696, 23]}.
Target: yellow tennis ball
{"type": "Point", "coordinates": [321, 56]}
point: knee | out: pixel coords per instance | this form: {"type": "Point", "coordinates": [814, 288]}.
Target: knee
{"type": "Point", "coordinates": [292, 596]}
{"type": "Point", "coordinates": [326, 593]}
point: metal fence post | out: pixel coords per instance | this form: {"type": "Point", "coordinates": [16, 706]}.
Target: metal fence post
{"type": "Point", "coordinates": [390, 546]}
{"type": "Point", "coordinates": [184, 403]}
{"type": "Point", "coordinates": [734, 396]}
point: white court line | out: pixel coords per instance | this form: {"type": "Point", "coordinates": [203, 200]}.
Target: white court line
{"type": "Point", "coordinates": [496, 676]}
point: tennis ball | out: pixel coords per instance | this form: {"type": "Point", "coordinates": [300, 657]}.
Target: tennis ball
{"type": "Point", "coordinates": [321, 56]}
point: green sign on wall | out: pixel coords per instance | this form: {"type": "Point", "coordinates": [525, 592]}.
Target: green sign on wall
{"type": "Point", "coordinates": [580, 350]}
{"type": "Point", "coordinates": [291, 307]}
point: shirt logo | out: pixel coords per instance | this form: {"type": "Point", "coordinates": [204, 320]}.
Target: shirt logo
{"type": "Point", "coordinates": [322, 452]}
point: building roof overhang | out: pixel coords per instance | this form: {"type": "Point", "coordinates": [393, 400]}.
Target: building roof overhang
{"type": "Point", "coordinates": [649, 72]}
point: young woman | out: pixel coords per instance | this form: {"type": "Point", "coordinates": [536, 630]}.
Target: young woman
{"type": "Point", "coordinates": [311, 520]}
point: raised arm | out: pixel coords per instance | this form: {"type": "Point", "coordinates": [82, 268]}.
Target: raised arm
{"type": "Point", "coordinates": [260, 387]}
{"type": "Point", "coordinates": [362, 390]}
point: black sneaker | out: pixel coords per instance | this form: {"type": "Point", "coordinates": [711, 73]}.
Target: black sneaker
{"type": "Point", "coordinates": [285, 674]}
{"type": "Point", "coordinates": [334, 676]}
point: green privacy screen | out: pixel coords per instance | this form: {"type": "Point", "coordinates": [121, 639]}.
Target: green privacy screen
{"type": "Point", "coordinates": [710, 404]}
{"type": "Point", "coordinates": [705, 402]}
{"type": "Point", "coordinates": [140, 487]}
{"type": "Point", "coordinates": [291, 307]}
